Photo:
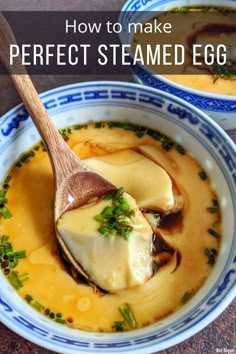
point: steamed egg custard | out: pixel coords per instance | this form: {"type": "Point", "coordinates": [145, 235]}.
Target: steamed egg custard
{"type": "Point", "coordinates": [208, 35]}
{"type": "Point", "coordinates": [149, 246]}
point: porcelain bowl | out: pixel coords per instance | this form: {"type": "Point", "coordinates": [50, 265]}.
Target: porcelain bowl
{"type": "Point", "coordinates": [220, 107]}
{"type": "Point", "coordinates": [202, 137]}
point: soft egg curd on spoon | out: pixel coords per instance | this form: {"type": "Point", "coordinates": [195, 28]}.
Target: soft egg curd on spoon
{"type": "Point", "coordinates": [118, 255]}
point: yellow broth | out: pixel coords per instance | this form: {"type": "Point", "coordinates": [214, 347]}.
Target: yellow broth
{"type": "Point", "coordinates": [30, 199]}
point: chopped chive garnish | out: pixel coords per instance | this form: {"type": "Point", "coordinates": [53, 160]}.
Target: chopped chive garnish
{"type": "Point", "coordinates": [212, 210]}
{"type": "Point", "coordinates": [8, 250]}
{"type": "Point", "coordinates": [13, 264]}
{"type": "Point", "coordinates": [167, 144]}
{"type": "Point", "coordinates": [4, 238]}
{"type": "Point", "coordinates": [186, 297]}
{"type": "Point", "coordinates": [180, 149]}
{"type": "Point", "coordinates": [24, 157]}
{"type": "Point", "coordinates": [108, 197]}
{"type": "Point", "coordinates": [77, 127]}
{"type": "Point", "coordinates": [211, 254]}
{"type": "Point", "coordinates": [23, 277]}
{"type": "Point", "coordinates": [36, 147]}
{"type": "Point", "coordinates": [7, 180]}
{"type": "Point", "coordinates": [202, 175]}
{"type": "Point", "coordinates": [213, 233]}
{"type": "Point", "coordinates": [119, 326]}
{"type": "Point", "coordinates": [18, 164]}
{"type": "Point", "coordinates": [37, 305]}
{"type": "Point", "coordinates": [14, 280]}
{"type": "Point", "coordinates": [3, 201]}
{"type": "Point", "coordinates": [98, 125]}
{"type": "Point", "coordinates": [128, 315]}
{"type": "Point", "coordinates": [6, 212]}
{"type": "Point", "coordinates": [3, 193]}
{"type": "Point", "coordinates": [103, 230]}
{"type": "Point", "coordinates": [140, 134]}
{"type": "Point", "coordinates": [99, 218]}
{"type": "Point", "coordinates": [59, 320]}
{"type": "Point", "coordinates": [19, 254]}
{"type": "Point", "coordinates": [115, 218]}
{"type": "Point", "coordinates": [28, 298]}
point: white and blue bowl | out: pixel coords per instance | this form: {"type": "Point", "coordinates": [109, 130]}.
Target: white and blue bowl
{"type": "Point", "coordinates": [221, 108]}
{"type": "Point", "coordinates": [205, 140]}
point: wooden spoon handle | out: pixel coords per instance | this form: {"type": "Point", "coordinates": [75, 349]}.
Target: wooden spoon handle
{"type": "Point", "coordinates": [49, 133]}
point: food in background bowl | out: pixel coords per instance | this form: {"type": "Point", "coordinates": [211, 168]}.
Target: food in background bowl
{"type": "Point", "coordinates": [145, 112]}
{"type": "Point", "coordinates": [209, 87]}
{"type": "Point", "coordinates": [206, 33]}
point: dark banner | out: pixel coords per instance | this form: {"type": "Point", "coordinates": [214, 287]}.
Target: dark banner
{"type": "Point", "coordinates": [111, 43]}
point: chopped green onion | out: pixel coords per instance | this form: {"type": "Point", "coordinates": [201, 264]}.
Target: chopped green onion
{"type": "Point", "coordinates": [3, 200]}
{"type": "Point", "coordinates": [3, 193]}
{"type": "Point", "coordinates": [115, 218]}
{"type": "Point", "coordinates": [108, 197]}
{"type": "Point", "coordinates": [28, 298]}
{"type": "Point", "coordinates": [37, 305]}
{"type": "Point", "coordinates": [19, 254]}
{"type": "Point", "coordinates": [99, 218]}
{"type": "Point", "coordinates": [4, 238]}
{"type": "Point", "coordinates": [140, 134]}
{"type": "Point", "coordinates": [202, 175]}
{"type": "Point", "coordinates": [213, 233]}
{"type": "Point", "coordinates": [59, 320]}
{"type": "Point", "coordinates": [6, 212]}
{"type": "Point", "coordinates": [23, 277]}
{"type": "Point", "coordinates": [18, 164]}
{"type": "Point", "coordinates": [211, 254]}
{"type": "Point", "coordinates": [155, 135]}
{"type": "Point", "coordinates": [180, 149]}
{"type": "Point", "coordinates": [119, 326]}
{"type": "Point", "coordinates": [8, 250]}
{"type": "Point", "coordinates": [7, 180]}
{"type": "Point", "coordinates": [108, 211]}
{"type": "Point", "coordinates": [13, 264]}
{"type": "Point", "coordinates": [98, 125]}
{"type": "Point", "coordinates": [128, 315]}
{"type": "Point", "coordinates": [103, 230]}
{"type": "Point", "coordinates": [25, 157]}
{"type": "Point", "coordinates": [186, 297]}
{"type": "Point", "coordinates": [183, 9]}
{"type": "Point", "coordinates": [167, 144]}
{"type": "Point", "coordinates": [77, 127]}
{"type": "Point", "coordinates": [212, 210]}
{"type": "Point", "coordinates": [110, 124]}
{"type": "Point", "coordinates": [14, 280]}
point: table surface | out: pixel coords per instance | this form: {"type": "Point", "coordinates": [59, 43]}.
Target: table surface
{"type": "Point", "coordinates": [220, 335]}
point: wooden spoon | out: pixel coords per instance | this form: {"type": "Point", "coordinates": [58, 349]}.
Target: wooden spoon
{"type": "Point", "coordinates": [75, 184]}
